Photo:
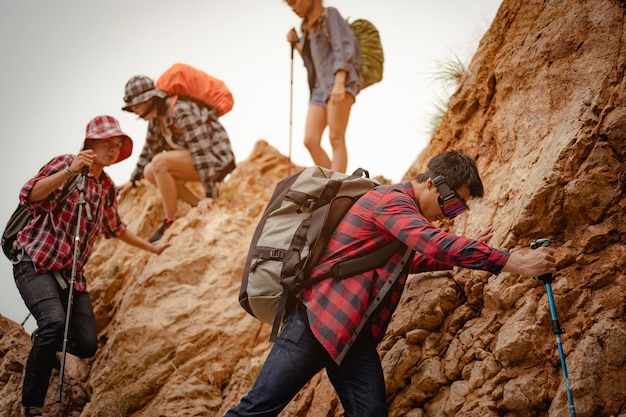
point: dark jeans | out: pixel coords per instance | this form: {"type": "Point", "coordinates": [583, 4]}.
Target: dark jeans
{"type": "Point", "coordinates": [47, 303]}
{"type": "Point", "coordinates": [297, 356]}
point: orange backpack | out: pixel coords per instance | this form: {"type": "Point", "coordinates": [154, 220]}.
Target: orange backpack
{"type": "Point", "coordinates": [185, 80]}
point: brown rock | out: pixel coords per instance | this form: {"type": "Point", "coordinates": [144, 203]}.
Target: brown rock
{"type": "Point", "coordinates": [541, 108]}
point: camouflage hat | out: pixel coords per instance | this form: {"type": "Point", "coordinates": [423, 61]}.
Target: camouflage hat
{"type": "Point", "coordinates": [139, 89]}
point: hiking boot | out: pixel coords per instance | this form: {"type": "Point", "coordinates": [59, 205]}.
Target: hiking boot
{"type": "Point", "coordinates": [161, 230]}
{"type": "Point", "coordinates": [32, 411]}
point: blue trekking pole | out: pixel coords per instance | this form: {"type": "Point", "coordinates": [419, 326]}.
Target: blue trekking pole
{"type": "Point", "coordinates": [556, 326]}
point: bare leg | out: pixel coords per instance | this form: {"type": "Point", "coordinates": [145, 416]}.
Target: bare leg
{"type": "Point", "coordinates": [166, 171]}
{"type": "Point", "coordinates": [315, 125]}
{"type": "Point", "coordinates": [186, 194]}
{"type": "Point", "coordinates": [338, 115]}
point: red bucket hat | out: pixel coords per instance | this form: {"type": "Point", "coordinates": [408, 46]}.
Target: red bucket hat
{"type": "Point", "coordinates": [104, 127]}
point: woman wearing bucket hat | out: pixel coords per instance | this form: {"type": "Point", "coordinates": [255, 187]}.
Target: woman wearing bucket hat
{"type": "Point", "coordinates": [185, 142]}
{"type": "Point", "coordinates": [45, 248]}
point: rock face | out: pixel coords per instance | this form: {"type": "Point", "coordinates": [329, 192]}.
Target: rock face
{"type": "Point", "coordinates": [542, 108]}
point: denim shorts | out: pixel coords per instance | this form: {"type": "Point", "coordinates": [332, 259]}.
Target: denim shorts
{"type": "Point", "coordinates": [317, 96]}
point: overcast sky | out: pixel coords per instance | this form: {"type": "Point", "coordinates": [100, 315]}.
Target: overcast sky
{"type": "Point", "coordinates": [66, 61]}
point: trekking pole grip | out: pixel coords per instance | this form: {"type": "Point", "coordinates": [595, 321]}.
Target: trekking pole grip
{"type": "Point", "coordinates": [546, 278]}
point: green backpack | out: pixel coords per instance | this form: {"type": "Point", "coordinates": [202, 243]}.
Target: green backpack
{"type": "Point", "coordinates": [371, 51]}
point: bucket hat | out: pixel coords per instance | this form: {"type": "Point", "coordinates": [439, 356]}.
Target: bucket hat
{"type": "Point", "coordinates": [139, 89]}
{"type": "Point", "coordinates": [104, 127]}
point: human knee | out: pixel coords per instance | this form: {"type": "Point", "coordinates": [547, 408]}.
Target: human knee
{"type": "Point", "coordinates": [312, 143]}
{"type": "Point", "coordinates": [148, 173]}
{"type": "Point", "coordinates": [159, 164]}
{"type": "Point", "coordinates": [337, 138]}
{"type": "Point", "coordinates": [57, 327]}
{"type": "Point", "coordinates": [50, 332]}
{"type": "Point", "coordinates": [86, 349]}
{"type": "Point", "coordinates": [308, 143]}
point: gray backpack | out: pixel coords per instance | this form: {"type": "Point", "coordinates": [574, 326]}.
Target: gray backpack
{"type": "Point", "coordinates": [291, 236]}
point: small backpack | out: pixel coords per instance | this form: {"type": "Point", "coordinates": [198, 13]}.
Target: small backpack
{"type": "Point", "coordinates": [371, 51]}
{"type": "Point", "coordinates": [301, 215]}
{"type": "Point", "coordinates": [22, 216]}
{"type": "Point", "coordinates": [185, 80]}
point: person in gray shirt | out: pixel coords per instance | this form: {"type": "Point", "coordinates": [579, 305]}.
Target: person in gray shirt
{"type": "Point", "coordinates": [332, 57]}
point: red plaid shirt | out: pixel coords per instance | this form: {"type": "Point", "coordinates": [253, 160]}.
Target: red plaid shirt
{"type": "Point", "coordinates": [49, 238]}
{"type": "Point", "coordinates": [336, 308]}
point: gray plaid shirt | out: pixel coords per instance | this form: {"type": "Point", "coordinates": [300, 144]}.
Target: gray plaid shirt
{"type": "Point", "coordinates": [196, 128]}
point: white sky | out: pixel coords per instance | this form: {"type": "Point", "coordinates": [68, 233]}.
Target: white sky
{"type": "Point", "coordinates": [66, 61]}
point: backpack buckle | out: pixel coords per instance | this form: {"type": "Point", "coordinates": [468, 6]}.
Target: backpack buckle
{"type": "Point", "coordinates": [277, 254]}
{"type": "Point", "coordinates": [16, 254]}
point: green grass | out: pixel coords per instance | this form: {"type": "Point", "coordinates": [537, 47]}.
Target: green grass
{"type": "Point", "coordinates": [448, 73]}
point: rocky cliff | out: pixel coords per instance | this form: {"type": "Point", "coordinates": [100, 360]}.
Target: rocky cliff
{"type": "Point", "coordinates": [542, 109]}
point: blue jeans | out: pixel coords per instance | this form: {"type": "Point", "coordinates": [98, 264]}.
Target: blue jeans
{"type": "Point", "coordinates": [297, 356]}
{"type": "Point", "coordinates": [47, 303]}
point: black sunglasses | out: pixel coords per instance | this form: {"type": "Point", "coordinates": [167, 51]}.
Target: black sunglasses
{"type": "Point", "coordinates": [451, 203]}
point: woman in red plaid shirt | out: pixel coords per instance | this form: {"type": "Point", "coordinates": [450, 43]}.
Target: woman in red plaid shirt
{"type": "Point", "coordinates": [45, 249]}
{"type": "Point", "coordinates": [338, 323]}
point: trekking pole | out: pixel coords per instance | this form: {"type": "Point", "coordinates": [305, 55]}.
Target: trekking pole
{"type": "Point", "coordinates": [70, 296]}
{"type": "Point", "coordinates": [556, 326]}
{"type": "Point", "coordinates": [290, 109]}
{"type": "Point", "coordinates": [27, 317]}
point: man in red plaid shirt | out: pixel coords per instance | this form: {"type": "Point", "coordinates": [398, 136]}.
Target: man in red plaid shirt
{"type": "Point", "coordinates": [338, 324]}
{"type": "Point", "coordinates": [44, 250]}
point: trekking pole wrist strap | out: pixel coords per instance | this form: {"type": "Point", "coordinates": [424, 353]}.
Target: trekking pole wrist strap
{"type": "Point", "coordinates": [69, 171]}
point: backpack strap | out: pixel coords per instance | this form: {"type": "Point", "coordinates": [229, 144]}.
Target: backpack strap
{"type": "Point", "coordinates": [382, 293]}
{"type": "Point", "coordinates": [21, 217]}
{"type": "Point", "coordinates": [173, 126]}
{"type": "Point", "coordinates": [67, 190]}
{"type": "Point", "coordinates": [345, 269]}
{"type": "Point", "coordinates": [369, 261]}
{"type": "Point", "coordinates": [280, 315]}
